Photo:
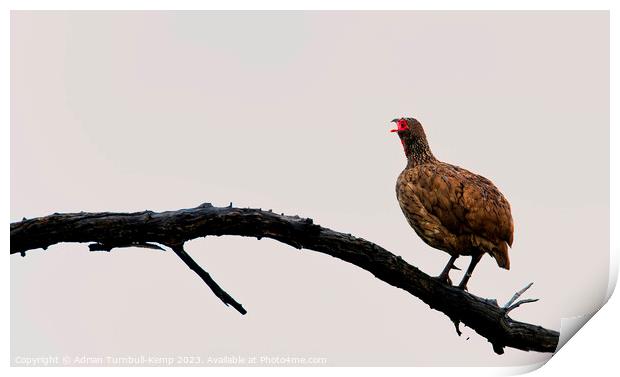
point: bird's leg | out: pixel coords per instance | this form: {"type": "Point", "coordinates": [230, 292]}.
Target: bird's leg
{"type": "Point", "coordinates": [474, 261]}
{"type": "Point", "coordinates": [444, 276]}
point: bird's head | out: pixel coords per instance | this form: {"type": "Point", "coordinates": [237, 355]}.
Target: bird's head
{"type": "Point", "coordinates": [413, 138]}
{"type": "Point", "coordinates": [407, 129]}
{"type": "Point", "coordinates": [401, 125]}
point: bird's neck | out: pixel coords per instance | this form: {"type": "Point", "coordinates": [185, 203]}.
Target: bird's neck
{"type": "Point", "coordinates": [418, 152]}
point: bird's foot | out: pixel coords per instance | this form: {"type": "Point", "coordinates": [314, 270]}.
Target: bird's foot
{"type": "Point", "coordinates": [463, 284]}
{"type": "Point", "coordinates": [444, 278]}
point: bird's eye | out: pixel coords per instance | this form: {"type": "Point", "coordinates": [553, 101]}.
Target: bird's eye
{"type": "Point", "coordinates": [402, 125]}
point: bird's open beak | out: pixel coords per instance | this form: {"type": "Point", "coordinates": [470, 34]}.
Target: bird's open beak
{"type": "Point", "coordinates": [394, 121]}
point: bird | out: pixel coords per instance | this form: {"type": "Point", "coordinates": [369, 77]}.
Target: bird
{"type": "Point", "coordinates": [449, 207]}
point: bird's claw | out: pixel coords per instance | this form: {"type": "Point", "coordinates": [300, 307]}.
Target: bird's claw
{"type": "Point", "coordinates": [445, 279]}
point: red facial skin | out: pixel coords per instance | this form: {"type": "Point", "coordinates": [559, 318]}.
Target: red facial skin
{"type": "Point", "coordinates": [401, 125]}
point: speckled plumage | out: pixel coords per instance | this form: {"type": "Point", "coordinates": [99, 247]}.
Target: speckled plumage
{"type": "Point", "coordinates": [451, 208]}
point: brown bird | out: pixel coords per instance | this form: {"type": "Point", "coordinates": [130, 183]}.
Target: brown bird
{"type": "Point", "coordinates": [450, 208]}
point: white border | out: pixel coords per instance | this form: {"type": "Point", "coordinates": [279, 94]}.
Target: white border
{"type": "Point", "coordinates": [316, 4]}
{"type": "Point", "coordinates": [592, 350]}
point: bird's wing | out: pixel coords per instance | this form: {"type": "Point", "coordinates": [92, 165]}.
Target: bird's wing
{"type": "Point", "coordinates": [462, 201]}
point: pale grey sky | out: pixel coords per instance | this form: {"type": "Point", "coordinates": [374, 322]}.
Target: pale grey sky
{"type": "Point", "coordinates": [126, 111]}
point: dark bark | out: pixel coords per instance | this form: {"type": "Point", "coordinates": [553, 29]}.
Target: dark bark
{"type": "Point", "coordinates": [109, 230]}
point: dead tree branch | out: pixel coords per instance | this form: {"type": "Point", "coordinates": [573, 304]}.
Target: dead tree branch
{"type": "Point", "coordinates": [204, 275]}
{"type": "Point", "coordinates": [173, 228]}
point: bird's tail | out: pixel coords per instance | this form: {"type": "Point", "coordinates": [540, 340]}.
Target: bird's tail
{"type": "Point", "coordinates": [501, 255]}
